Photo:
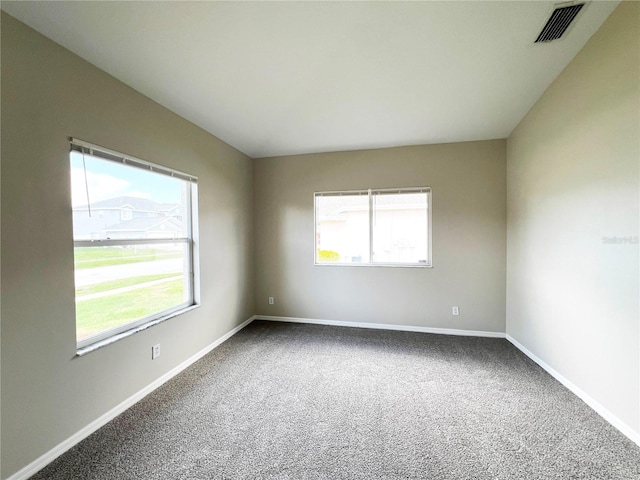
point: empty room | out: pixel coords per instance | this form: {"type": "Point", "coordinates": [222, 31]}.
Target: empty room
{"type": "Point", "coordinates": [320, 240]}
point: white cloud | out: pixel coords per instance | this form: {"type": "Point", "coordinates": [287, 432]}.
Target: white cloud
{"type": "Point", "coordinates": [139, 194]}
{"type": "Point", "coordinates": [101, 187]}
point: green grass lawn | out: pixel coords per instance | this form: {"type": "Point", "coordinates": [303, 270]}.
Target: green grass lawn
{"type": "Point", "coordinates": [90, 257]}
{"type": "Point", "coordinates": [124, 282]}
{"type": "Point", "coordinates": [104, 313]}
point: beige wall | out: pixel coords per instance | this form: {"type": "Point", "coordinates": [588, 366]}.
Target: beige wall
{"type": "Point", "coordinates": [469, 251]}
{"type": "Point", "coordinates": [49, 94]}
{"type": "Point", "coordinates": [572, 298]}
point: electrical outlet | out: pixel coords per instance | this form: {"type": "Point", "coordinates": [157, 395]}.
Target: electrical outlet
{"type": "Point", "coordinates": [155, 351]}
{"type": "Point", "coordinates": [455, 311]}
{"type": "Point", "coordinates": [271, 300]}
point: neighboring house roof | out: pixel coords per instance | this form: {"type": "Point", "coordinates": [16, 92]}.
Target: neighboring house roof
{"type": "Point", "coordinates": [333, 206]}
{"type": "Point", "coordinates": [135, 203]}
{"type": "Point", "coordinates": [143, 224]}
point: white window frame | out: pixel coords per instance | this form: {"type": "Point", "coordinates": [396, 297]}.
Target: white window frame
{"type": "Point", "coordinates": [189, 216]}
{"type": "Point", "coordinates": [370, 193]}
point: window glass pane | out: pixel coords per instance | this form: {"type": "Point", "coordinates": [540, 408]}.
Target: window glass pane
{"type": "Point", "coordinates": [400, 228]}
{"type": "Point", "coordinates": [342, 229]}
{"type": "Point", "coordinates": [133, 246]}
{"type": "Point", "coordinates": [125, 202]}
{"type": "Point", "coordinates": [119, 285]}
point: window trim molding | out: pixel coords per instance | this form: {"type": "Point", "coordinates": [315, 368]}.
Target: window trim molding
{"type": "Point", "coordinates": [77, 145]}
{"type": "Point", "coordinates": [370, 193]}
{"type": "Point", "coordinates": [93, 346]}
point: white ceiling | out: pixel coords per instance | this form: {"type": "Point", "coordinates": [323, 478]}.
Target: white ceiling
{"type": "Point", "coordinates": [277, 78]}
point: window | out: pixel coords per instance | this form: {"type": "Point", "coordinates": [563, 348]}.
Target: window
{"type": "Point", "coordinates": [133, 254]}
{"type": "Point", "coordinates": [126, 213]}
{"type": "Point", "coordinates": [374, 227]}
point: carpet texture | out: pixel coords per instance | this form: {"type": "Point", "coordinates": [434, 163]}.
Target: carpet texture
{"type": "Point", "coordinates": [292, 401]}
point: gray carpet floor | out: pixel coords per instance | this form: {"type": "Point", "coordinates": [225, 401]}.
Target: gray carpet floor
{"type": "Point", "coordinates": [292, 401]}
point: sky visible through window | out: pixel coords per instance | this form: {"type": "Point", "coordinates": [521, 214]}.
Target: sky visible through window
{"type": "Point", "coordinates": [107, 179]}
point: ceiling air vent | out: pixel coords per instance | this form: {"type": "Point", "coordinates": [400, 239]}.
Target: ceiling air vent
{"type": "Point", "coordinates": [558, 23]}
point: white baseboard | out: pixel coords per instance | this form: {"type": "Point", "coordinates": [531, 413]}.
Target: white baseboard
{"type": "Point", "coordinates": [585, 397]}
{"type": "Point", "coordinates": [83, 433]}
{"type": "Point", "coordinates": [384, 326]}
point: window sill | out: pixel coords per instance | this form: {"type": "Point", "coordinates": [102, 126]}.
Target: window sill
{"type": "Point", "coordinates": [387, 265]}
{"type": "Point", "coordinates": [80, 352]}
